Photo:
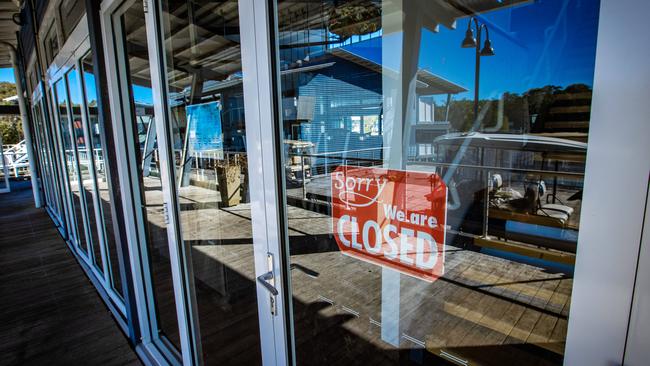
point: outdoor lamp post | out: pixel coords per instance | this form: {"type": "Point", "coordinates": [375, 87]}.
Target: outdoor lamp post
{"type": "Point", "coordinates": [487, 50]}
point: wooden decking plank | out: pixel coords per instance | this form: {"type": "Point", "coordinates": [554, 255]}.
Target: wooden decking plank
{"type": "Point", "coordinates": [50, 313]}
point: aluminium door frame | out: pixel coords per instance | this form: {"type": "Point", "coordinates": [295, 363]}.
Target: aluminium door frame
{"type": "Point", "coordinates": [258, 50]}
{"type": "Point", "coordinates": [40, 97]}
{"type": "Point", "coordinates": [261, 153]}
{"type": "Point", "coordinates": [76, 47]}
{"type": "Point", "coordinates": [616, 183]}
{"type": "Point", "coordinates": [38, 128]}
{"type": "Point", "coordinates": [70, 228]}
{"type": "Point", "coordinates": [596, 334]}
{"type": "Point", "coordinates": [152, 346]}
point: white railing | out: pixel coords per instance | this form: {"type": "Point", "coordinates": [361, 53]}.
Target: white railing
{"type": "Point", "coordinates": [16, 159]}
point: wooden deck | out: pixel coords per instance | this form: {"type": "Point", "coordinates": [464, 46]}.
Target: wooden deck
{"type": "Point", "coordinates": [50, 313]}
{"type": "Point", "coordinates": [486, 310]}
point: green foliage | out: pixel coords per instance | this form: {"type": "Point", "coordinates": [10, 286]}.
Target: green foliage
{"type": "Point", "coordinates": [517, 110]}
{"type": "Point", "coordinates": [7, 89]}
{"type": "Point", "coordinates": [10, 126]}
{"type": "Point", "coordinates": [11, 129]}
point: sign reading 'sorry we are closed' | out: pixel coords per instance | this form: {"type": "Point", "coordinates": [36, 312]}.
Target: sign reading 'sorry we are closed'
{"type": "Point", "coordinates": [392, 218]}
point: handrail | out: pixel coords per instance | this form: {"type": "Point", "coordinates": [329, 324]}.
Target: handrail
{"type": "Point", "coordinates": [477, 167]}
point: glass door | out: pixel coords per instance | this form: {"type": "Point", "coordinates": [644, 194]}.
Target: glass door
{"type": "Point", "coordinates": [67, 147]}
{"type": "Point", "coordinates": [207, 128]}
{"type": "Point", "coordinates": [432, 167]}
{"type": "Point", "coordinates": [196, 213]}
{"type": "Point", "coordinates": [144, 176]}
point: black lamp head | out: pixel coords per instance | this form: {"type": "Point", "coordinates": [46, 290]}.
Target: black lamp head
{"type": "Point", "coordinates": [487, 49]}
{"type": "Point", "coordinates": [469, 41]}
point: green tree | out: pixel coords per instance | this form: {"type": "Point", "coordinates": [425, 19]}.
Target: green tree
{"type": "Point", "coordinates": [10, 126]}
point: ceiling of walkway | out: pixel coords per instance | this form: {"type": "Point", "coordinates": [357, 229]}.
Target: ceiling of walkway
{"type": "Point", "coordinates": [8, 29]}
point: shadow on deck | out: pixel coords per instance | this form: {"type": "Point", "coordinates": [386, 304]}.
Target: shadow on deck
{"type": "Point", "coordinates": [50, 313]}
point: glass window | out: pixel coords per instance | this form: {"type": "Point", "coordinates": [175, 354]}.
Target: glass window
{"type": "Point", "coordinates": [101, 173]}
{"type": "Point", "coordinates": [71, 12]}
{"type": "Point", "coordinates": [444, 154]}
{"type": "Point", "coordinates": [75, 222]}
{"type": "Point", "coordinates": [84, 154]}
{"type": "Point", "coordinates": [145, 157]}
{"type": "Point", "coordinates": [51, 44]}
{"type": "Point", "coordinates": [206, 116]}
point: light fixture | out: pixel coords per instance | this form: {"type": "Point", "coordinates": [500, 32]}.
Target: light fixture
{"type": "Point", "coordinates": [487, 49]}
{"type": "Point", "coordinates": [469, 40]}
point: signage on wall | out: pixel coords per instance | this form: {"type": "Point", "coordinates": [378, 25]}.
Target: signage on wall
{"type": "Point", "coordinates": [204, 128]}
{"type": "Point", "coordinates": [391, 218]}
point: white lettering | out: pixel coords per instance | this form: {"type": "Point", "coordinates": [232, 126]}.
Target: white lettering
{"type": "Point", "coordinates": [390, 211]}
{"type": "Point", "coordinates": [355, 234]}
{"type": "Point", "coordinates": [370, 224]}
{"type": "Point", "coordinates": [340, 228]}
{"type": "Point", "coordinates": [432, 222]}
{"type": "Point", "coordinates": [405, 246]}
{"type": "Point", "coordinates": [425, 244]}
{"type": "Point", "coordinates": [388, 229]}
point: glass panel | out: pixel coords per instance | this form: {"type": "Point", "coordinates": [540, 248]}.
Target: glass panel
{"type": "Point", "coordinates": [54, 158]}
{"type": "Point", "coordinates": [146, 159]}
{"type": "Point", "coordinates": [435, 217]}
{"type": "Point", "coordinates": [45, 164]}
{"type": "Point", "coordinates": [85, 165]}
{"type": "Point", "coordinates": [206, 114]}
{"type": "Point", "coordinates": [101, 174]}
{"type": "Point", "coordinates": [71, 11]}
{"type": "Point", "coordinates": [67, 139]}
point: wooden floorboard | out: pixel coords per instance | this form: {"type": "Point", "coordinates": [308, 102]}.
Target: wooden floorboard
{"type": "Point", "coordinates": [50, 313]}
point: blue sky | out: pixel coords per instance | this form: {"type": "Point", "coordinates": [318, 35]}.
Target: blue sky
{"type": "Point", "coordinates": [545, 42]}
{"type": "Point", "coordinates": [7, 74]}
{"type": "Point", "coordinates": [548, 42]}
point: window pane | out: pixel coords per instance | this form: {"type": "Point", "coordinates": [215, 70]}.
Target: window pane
{"type": "Point", "coordinates": [146, 159]}
{"type": "Point", "coordinates": [85, 165]}
{"type": "Point", "coordinates": [101, 174]}
{"type": "Point", "coordinates": [75, 223]}
{"type": "Point", "coordinates": [433, 160]}
{"type": "Point", "coordinates": [209, 134]}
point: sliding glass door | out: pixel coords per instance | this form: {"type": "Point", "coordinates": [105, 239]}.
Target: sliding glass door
{"type": "Point", "coordinates": [432, 173]}
{"type": "Point", "coordinates": [184, 145]}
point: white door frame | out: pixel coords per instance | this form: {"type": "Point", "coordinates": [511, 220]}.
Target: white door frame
{"type": "Point", "coordinates": [261, 155]}
{"type": "Point", "coordinates": [596, 334]}
{"type": "Point", "coordinates": [257, 50]}
{"type": "Point", "coordinates": [153, 347]}
{"type": "Point", "coordinates": [616, 182]}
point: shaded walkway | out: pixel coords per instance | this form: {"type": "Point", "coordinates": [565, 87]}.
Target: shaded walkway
{"type": "Point", "coordinates": [50, 313]}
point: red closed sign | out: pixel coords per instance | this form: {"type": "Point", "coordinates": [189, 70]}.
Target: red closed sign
{"type": "Point", "coordinates": [391, 218]}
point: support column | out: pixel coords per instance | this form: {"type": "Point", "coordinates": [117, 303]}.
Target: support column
{"type": "Point", "coordinates": [22, 106]}
{"type": "Point", "coordinates": [402, 29]}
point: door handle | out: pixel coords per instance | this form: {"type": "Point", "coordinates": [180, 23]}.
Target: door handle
{"type": "Point", "coordinates": [264, 281]}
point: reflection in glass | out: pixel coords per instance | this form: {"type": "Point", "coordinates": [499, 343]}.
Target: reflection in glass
{"type": "Point", "coordinates": [146, 158]}
{"type": "Point", "coordinates": [43, 156]}
{"type": "Point", "coordinates": [75, 223]}
{"type": "Point", "coordinates": [470, 93]}
{"type": "Point", "coordinates": [85, 165]}
{"type": "Point", "coordinates": [101, 175]}
{"type": "Point", "coordinates": [204, 84]}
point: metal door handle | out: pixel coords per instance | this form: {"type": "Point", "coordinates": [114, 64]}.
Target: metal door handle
{"type": "Point", "coordinates": [264, 281]}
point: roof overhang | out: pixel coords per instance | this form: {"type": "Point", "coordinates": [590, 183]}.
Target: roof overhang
{"type": "Point", "coordinates": [8, 29]}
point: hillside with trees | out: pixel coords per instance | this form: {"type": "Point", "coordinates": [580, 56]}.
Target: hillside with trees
{"type": "Point", "coordinates": [10, 126]}
{"type": "Point", "coordinates": [549, 108]}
